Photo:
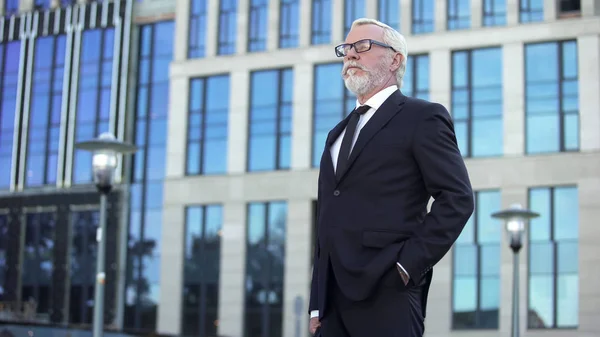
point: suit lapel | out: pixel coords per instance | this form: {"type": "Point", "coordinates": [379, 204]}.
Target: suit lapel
{"type": "Point", "coordinates": [331, 138]}
{"type": "Point", "coordinates": [382, 116]}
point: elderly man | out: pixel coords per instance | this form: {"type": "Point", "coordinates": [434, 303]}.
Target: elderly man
{"type": "Point", "coordinates": [376, 244]}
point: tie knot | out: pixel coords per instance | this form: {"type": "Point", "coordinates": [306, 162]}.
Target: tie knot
{"type": "Point", "coordinates": [362, 109]}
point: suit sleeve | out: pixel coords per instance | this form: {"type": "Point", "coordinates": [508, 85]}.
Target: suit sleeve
{"type": "Point", "coordinates": [446, 179]}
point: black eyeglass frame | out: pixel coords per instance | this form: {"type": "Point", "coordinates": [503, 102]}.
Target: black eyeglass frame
{"type": "Point", "coordinates": [340, 50]}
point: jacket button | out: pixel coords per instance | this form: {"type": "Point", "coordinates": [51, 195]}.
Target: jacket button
{"type": "Point", "coordinates": [336, 193]}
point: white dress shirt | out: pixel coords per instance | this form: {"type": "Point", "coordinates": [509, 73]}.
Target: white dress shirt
{"type": "Point", "coordinates": [374, 102]}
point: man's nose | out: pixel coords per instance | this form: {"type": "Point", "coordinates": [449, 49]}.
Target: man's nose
{"type": "Point", "coordinates": [351, 55]}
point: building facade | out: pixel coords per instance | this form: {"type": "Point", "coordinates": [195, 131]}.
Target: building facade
{"type": "Point", "coordinates": [229, 101]}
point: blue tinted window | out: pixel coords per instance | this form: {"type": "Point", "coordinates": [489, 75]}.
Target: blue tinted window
{"type": "Point", "coordinates": [4, 250]}
{"type": "Point", "coordinates": [553, 258]}
{"type": "Point", "coordinates": [459, 14]}
{"type": "Point", "coordinates": [41, 4]}
{"type": "Point", "coordinates": [551, 97]}
{"type": "Point", "coordinates": [197, 29]}
{"type": "Point", "coordinates": [201, 270]}
{"type": "Point", "coordinates": [148, 172]}
{"type": "Point", "coordinates": [257, 25]}
{"type": "Point", "coordinates": [9, 80]}
{"type": "Point", "coordinates": [422, 16]}
{"type": "Point", "coordinates": [332, 103]}
{"type": "Point", "coordinates": [207, 125]}
{"type": "Point", "coordinates": [494, 12]}
{"type": "Point", "coordinates": [265, 269]}
{"type": "Point", "coordinates": [416, 78]}
{"type": "Point", "coordinates": [227, 27]}
{"type": "Point", "coordinates": [289, 23]}
{"type": "Point", "coordinates": [93, 98]}
{"type": "Point", "coordinates": [477, 101]}
{"type": "Point", "coordinates": [320, 32]}
{"type": "Point", "coordinates": [270, 129]}
{"type": "Point", "coordinates": [476, 267]}
{"type": "Point", "coordinates": [531, 11]}
{"type": "Point", "coordinates": [353, 9]}
{"type": "Point", "coordinates": [389, 13]}
{"type": "Point", "coordinates": [11, 7]}
{"type": "Point", "coordinates": [43, 132]}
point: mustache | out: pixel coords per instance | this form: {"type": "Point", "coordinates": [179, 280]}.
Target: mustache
{"type": "Point", "coordinates": [352, 64]}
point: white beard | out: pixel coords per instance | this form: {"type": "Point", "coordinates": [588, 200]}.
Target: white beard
{"type": "Point", "coordinates": [363, 84]}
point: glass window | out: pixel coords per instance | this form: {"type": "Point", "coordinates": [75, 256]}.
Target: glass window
{"type": "Point", "coordinates": [531, 11]}
{"type": "Point", "coordinates": [415, 82]}
{"type": "Point", "coordinates": [477, 101]}
{"type": "Point", "coordinates": [43, 132]}
{"type": "Point", "coordinates": [197, 29]}
{"type": "Point", "coordinates": [9, 81]}
{"type": "Point", "coordinates": [200, 298]}
{"type": "Point", "coordinates": [353, 9]}
{"type": "Point", "coordinates": [320, 32]}
{"type": "Point", "coordinates": [265, 269]}
{"type": "Point", "coordinates": [389, 13]}
{"type": "Point", "coordinates": [270, 129]}
{"type": "Point", "coordinates": [494, 13]}
{"type": "Point", "coordinates": [227, 27]}
{"type": "Point", "coordinates": [476, 267]}
{"type": "Point", "coordinates": [554, 258]}
{"type": "Point", "coordinates": [551, 97]}
{"type": "Point", "coordinates": [459, 14]}
{"type": "Point", "coordinates": [4, 250]}
{"type": "Point", "coordinates": [257, 25]}
{"type": "Point", "coordinates": [423, 16]}
{"type": "Point", "coordinates": [207, 125]}
{"type": "Point", "coordinates": [11, 7]}
{"type": "Point", "coordinates": [289, 24]}
{"type": "Point", "coordinates": [332, 103]}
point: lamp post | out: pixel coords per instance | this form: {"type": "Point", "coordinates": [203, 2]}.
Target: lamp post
{"type": "Point", "coordinates": [104, 162]}
{"type": "Point", "coordinates": [515, 218]}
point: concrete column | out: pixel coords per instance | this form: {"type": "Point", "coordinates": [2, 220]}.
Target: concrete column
{"type": "Point", "coordinates": [513, 89]}
{"type": "Point", "coordinates": [297, 267]}
{"type": "Point", "coordinates": [511, 195]}
{"type": "Point", "coordinates": [512, 12]}
{"type": "Point", "coordinates": [440, 16]}
{"type": "Point", "coordinates": [182, 29]}
{"type": "Point", "coordinates": [588, 54]}
{"type": "Point", "coordinates": [406, 18]}
{"type": "Point", "coordinates": [273, 25]}
{"type": "Point", "coordinates": [476, 14]}
{"type": "Point", "coordinates": [243, 11]}
{"type": "Point", "coordinates": [589, 256]}
{"type": "Point", "coordinates": [550, 10]}
{"type": "Point", "coordinates": [171, 269]}
{"type": "Point", "coordinates": [440, 64]}
{"type": "Point", "coordinates": [212, 28]}
{"type": "Point", "coordinates": [238, 122]}
{"type": "Point", "coordinates": [590, 8]}
{"type": "Point", "coordinates": [371, 9]}
{"type": "Point", "coordinates": [337, 21]}
{"type": "Point", "coordinates": [232, 278]}
{"type": "Point", "coordinates": [305, 22]}
{"type": "Point", "coordinates": [439, 317]}
{"type": "Point", "coordinates": [177, 124]}
{"type": "Point", "coordinates": [302, 117]}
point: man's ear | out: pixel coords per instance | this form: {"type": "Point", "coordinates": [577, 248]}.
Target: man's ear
{"type": "Point", "coordinates": [396, 61]}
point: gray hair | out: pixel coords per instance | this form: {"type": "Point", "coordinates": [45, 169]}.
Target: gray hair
{"type": "Point", "coordinates": [391, 37]}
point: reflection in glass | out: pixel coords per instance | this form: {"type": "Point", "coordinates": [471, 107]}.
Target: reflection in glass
{"type": "Point", "coordinates": [389, 13]}
{"type": "Point", "coordinates": [265, 262]}
{"type": "Point", "coordinates": [93, 98]}
{"type": "Point", "coordinates": [289, 23]}
{"type": "Point", "coordinates": [459, 14]}
{"type": "Point", "coordinates": [320, 31]}
{"type": "Point", "coordinates": [552, 97]}
{"type": "Point", "coordinates": [494, 13]}
{"type": "Point", "coordinates": [422, 16]}
{"type": "Point", "coordinates": [415, 82]}
{"type": "Point", "coordinates": [554, 258]}
{"type": "Point", "coordinates": [197, 29]}
{"type": "Point", "coordinates": [227, 27]}
{"type": "Point", "coordinates": [3, 252]}
{"type": "Point", "coordinates": [333, 102]}
{"type": "Point", "coordinates": [476, 267]}
{"type": "Point", "coordinates": [83, 266]}
{"type": "Point", "coordinates": [148, 171]}
{"type": "Point", "coordinates": [11, 7]}
{"type": "Point", "coordinates": [353, 9]}
{"type": "Point", "coordinates": [207, 125]}
{"type": "Point", "coordinates": [270, 130]}
{"type": "Point", "coordinates": [9, 79]}
{"type": "Point", "coordinates": [201, 270]}
{"type": "Point", "coordinates": [38, 260]}
{"type": "Point", "coordinates": [477, 101]}
{"type": "Point", "coordinates": [531, 11]}
{"type": "Point", "coordinates": [257, 25]}
{"type": "Point", "coordinates": [45, 114]}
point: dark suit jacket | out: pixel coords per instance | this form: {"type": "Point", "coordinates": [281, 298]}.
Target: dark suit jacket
{"type": "Point", "coordinates": [376, 214]}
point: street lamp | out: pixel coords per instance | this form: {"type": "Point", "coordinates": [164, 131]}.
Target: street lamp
{"type": "Point", "coordinates": [515, 218]}
{"type": "Point", "coordinates": [104, 163]}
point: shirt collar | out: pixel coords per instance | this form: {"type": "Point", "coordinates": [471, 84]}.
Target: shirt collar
{"type": "Point", "coordinates": [377, 100]}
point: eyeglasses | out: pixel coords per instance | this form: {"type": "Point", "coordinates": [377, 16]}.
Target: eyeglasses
{"type": "Point", "coordinates": [359, 46]}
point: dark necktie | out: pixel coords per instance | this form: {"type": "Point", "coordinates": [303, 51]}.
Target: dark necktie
{"type": "Point", "coordinates": [347, 140]}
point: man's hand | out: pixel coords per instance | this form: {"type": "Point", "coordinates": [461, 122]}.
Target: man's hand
{"type": "Point", "coordinates": [314, 324]}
